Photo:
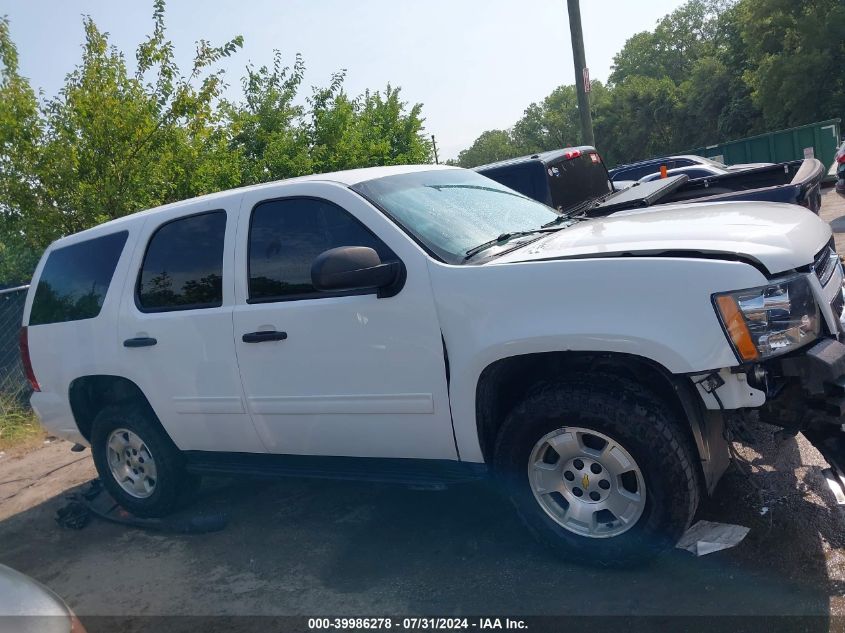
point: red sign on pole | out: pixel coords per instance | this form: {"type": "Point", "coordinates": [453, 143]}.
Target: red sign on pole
{"type": "Point", "coordinates": [586, 73]}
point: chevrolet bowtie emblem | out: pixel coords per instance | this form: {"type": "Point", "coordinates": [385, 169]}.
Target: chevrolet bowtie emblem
{"type": "Point", "coordinates": [585, 481]}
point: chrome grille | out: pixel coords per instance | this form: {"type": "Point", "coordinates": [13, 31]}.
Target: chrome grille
{"type": "Point", "coordinates": [824, 264]}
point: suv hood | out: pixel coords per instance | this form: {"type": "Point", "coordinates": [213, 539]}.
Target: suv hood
{"type": "Point", "coordinates": [778, 236]}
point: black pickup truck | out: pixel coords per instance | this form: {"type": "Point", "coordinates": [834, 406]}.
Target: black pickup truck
{"type": "Point", "coordinates": [575, 180]}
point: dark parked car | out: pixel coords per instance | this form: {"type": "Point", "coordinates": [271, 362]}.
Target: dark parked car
{"type": "Point", "coordinates": [562, 178]}
{"type": "Point", "coordinates": [575, 180]}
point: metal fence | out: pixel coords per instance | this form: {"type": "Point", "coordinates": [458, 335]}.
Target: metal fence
{"type": "Point", "coordinates": [13, 382]}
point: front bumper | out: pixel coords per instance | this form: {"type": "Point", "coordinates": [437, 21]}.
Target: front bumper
{"type": "Point", "coordinates": [811, 400]}
{"type": "Point", "coordinates": [807, 390]}
{"type": "Point", "coordinates": [820, 370]}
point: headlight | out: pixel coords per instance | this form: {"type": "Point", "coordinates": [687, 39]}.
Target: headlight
{"type": "Point", "coordinates": [769, 320]}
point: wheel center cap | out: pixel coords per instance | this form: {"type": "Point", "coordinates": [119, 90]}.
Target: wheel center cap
{"type": "Point", "coordinates": [586, 479]}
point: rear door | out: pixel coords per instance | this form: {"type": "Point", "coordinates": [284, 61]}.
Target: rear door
{"type": "Point", "coordinates": [175, 328]}
{"type": "Point", "coordinates": [348, 374]}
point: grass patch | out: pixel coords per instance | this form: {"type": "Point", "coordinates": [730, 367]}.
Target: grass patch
{"type": "Point", "coordinates": [19, 427]}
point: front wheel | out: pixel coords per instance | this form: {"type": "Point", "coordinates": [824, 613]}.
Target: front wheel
{"type": "Point", "coordinates": [138, 463]}
{"type": "Point", "coordinates": [600, 470]}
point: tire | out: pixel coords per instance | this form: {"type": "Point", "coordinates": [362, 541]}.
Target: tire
{"type": "Point", "coordinates": [626, 416]}
{"type": "Point", "coordinates": [170, 488]}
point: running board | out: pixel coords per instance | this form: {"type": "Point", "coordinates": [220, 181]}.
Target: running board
{"type": "Point", "coordinates": [424, 473]}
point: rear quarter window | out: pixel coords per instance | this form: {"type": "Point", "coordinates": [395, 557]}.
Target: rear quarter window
{"type": "Point", "coordinates": [75, 279]}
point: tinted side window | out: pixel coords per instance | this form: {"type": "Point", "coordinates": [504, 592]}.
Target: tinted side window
{"type": "Point", "coordinates": [75, 279]}
{"type": "Point", "coordinates": [183, 265]}
{"type": "Point", "coordinates": [285, 236]}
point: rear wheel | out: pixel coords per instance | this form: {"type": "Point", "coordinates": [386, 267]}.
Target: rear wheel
{"type": "Point", "coordinates": [138, 463]}
{"type": "Point", "coordinates": [600, 470]}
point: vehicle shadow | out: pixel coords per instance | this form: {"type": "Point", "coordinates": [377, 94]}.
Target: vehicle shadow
{"type": "Point", "coordinates": [340, 548]}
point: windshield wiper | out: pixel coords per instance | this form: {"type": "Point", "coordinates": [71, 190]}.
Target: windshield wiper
{"type": "Point", "coordinates": [563, 217]}
{"type": "Point", "coordinates": [568, 215]}
{"type": "Point", "coordinates": [505, 237]}
{"type": "Point", "coordinates": [579, 211]}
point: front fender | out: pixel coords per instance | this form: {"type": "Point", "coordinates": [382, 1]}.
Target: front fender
{"type": "Point", "coordinates": [657, 308]}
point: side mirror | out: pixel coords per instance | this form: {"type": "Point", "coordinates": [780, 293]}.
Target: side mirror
{"type": "Point", "coordinates": [356, 268]}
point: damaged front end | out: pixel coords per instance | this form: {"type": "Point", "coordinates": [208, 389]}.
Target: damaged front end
{"type": "Point", "coordinates": [809, 397]}
{"type": "Point", "coordinates": [805, 389]}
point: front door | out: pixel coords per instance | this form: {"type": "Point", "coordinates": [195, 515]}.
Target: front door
{"type": "Point", "coordinates": [342, 374]}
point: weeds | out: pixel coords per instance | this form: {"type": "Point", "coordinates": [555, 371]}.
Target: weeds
{"type": "Point", "coordinates": [18, 425]}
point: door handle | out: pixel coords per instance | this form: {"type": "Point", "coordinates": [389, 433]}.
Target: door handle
{"type": "Point", "coordinates": [140, 341]}
{"type": "Point", "coordinates": [261, 337]}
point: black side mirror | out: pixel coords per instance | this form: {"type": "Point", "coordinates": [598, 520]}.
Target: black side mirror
{"type": "Point", "coordinates": [356, 268]}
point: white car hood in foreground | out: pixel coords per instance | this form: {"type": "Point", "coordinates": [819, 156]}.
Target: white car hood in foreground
{"type": "Point", "coordinates": [778, 236]}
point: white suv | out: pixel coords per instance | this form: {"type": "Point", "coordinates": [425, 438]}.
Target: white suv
{"type": "Point", "coordinates": [427, 325]}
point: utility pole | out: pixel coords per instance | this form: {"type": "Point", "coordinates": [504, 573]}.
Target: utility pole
{"type": "Point", "coordinates": [434, 145]}
{"type": "Point", "coordinates": [582, 76]}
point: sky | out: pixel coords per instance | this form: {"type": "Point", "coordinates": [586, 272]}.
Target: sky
{"type": "Point", "coordinates": [475, 65]}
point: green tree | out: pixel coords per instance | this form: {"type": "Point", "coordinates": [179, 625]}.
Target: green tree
{"type": "Point", "coordinates": [797, 52]}
{"type": "Point", "coordinates": [370, 130]}
{"type": "Point", "coordinates": [639, 118]}
{"type": "Point", "coordinates": [678, 40]}
{"type": "Point", "coordinates": [20, 134]}
{"type": "Point", "coordinates": [710, 71]}
{"type": "Point", "coordinates": [266, 127]}
{"type": "Point", "coordinates": [738, 116]}
{"type": "Point", "coordinates": [278, 137]}
{"type": "Point", "coordinates": [551, 124]}
{"type": "Point", "coordinates": [699, 49]}
{"type": "Point", "coordinates": [391, 135]}
{"type": "Point", "coordinates": [489, 147]}
{"type": "Point", "coordinates": [113, 142]}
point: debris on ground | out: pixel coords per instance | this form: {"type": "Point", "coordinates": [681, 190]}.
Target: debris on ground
{"type": "Point", "coordinates": [96, 501]}
{"type": "Point", "coordinates": [74, 516]}
{"type": "Point", "coordinates": [706, 537]}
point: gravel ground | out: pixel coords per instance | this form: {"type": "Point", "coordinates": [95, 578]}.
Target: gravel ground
{"type": "Point", "coordinates": [315, 547]}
